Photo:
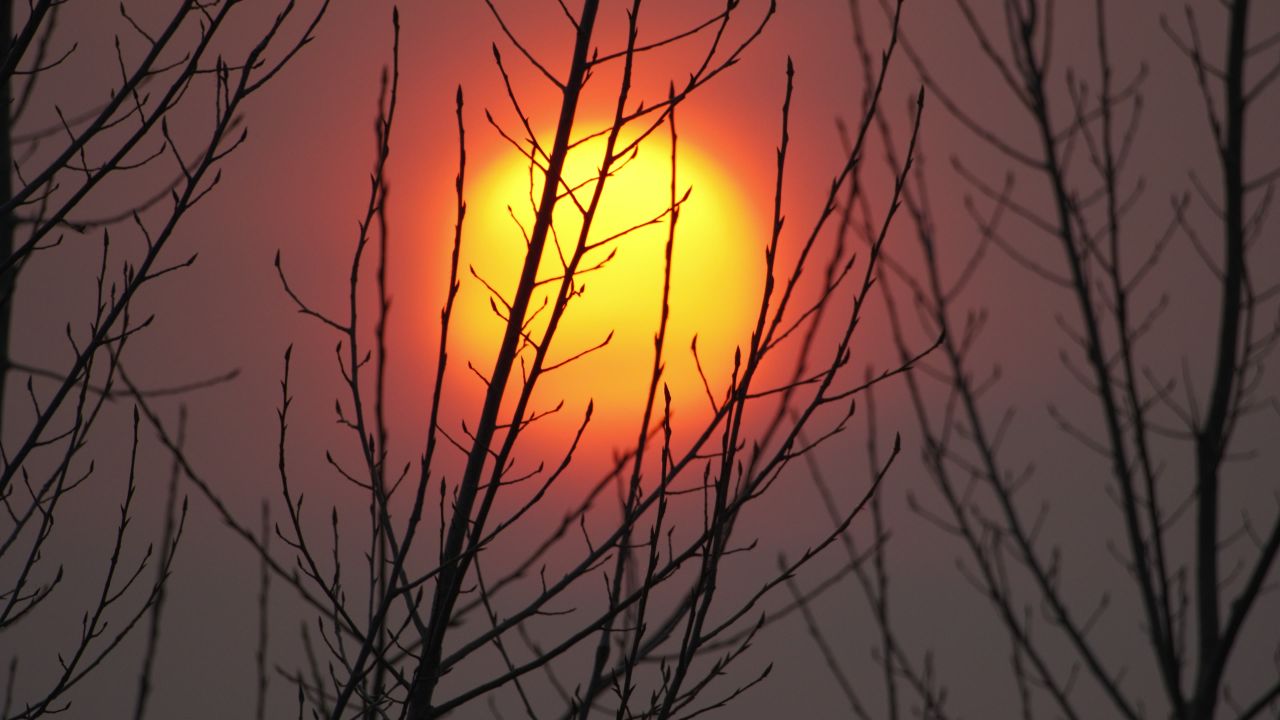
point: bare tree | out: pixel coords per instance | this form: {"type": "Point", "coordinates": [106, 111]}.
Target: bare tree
{"type": "Point", "coordinates": [142, 125]}
{"type": "Point", "coordinates": [1169, 441]}
{"type": "Point", "coordinates": [424, 624]}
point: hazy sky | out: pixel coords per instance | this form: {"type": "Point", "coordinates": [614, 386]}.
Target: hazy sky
{"type": "Point", "coordinates": [300, 184]}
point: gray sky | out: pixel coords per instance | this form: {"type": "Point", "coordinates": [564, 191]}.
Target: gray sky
{"type": "Point", "coordinates": [300, 184]}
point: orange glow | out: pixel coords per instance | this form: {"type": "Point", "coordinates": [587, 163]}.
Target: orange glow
{"type": "Point", "coordinates": [715, 281]}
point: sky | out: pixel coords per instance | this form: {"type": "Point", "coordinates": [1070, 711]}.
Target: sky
{"type": "Point", "coordinates": [299, 186]}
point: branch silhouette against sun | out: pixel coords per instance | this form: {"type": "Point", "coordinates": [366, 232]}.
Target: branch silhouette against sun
{"type": "Point", "coordinates": [423, 613]}
{"type": "Point", "coordinates": [650, 391]}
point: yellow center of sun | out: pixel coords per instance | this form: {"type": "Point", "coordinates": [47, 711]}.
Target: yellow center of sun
{"type": "Point", "coordinates": [715, 278]}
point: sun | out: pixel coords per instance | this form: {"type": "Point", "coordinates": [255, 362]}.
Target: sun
{"type": "Point", "coordinates": [716, 272]}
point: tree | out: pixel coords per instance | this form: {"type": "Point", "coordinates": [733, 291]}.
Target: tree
{"type": "Point", "coordinates": [652, 644]}
{"type": "Point", "coordinates": [1172, 438]}
{"type": "Point", "coordinates": [472, 557]}
{"type": "Point", "coordinates": [413, 632]}
{"type": "Point", "coordinates": [55, 179]}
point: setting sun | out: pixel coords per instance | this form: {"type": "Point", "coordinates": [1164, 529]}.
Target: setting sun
{"type": "Point", "coordinates": [714, 277]}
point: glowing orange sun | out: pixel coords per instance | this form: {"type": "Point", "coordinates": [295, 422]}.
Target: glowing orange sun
{"type": "Point", "coordinates": [715, 279]}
